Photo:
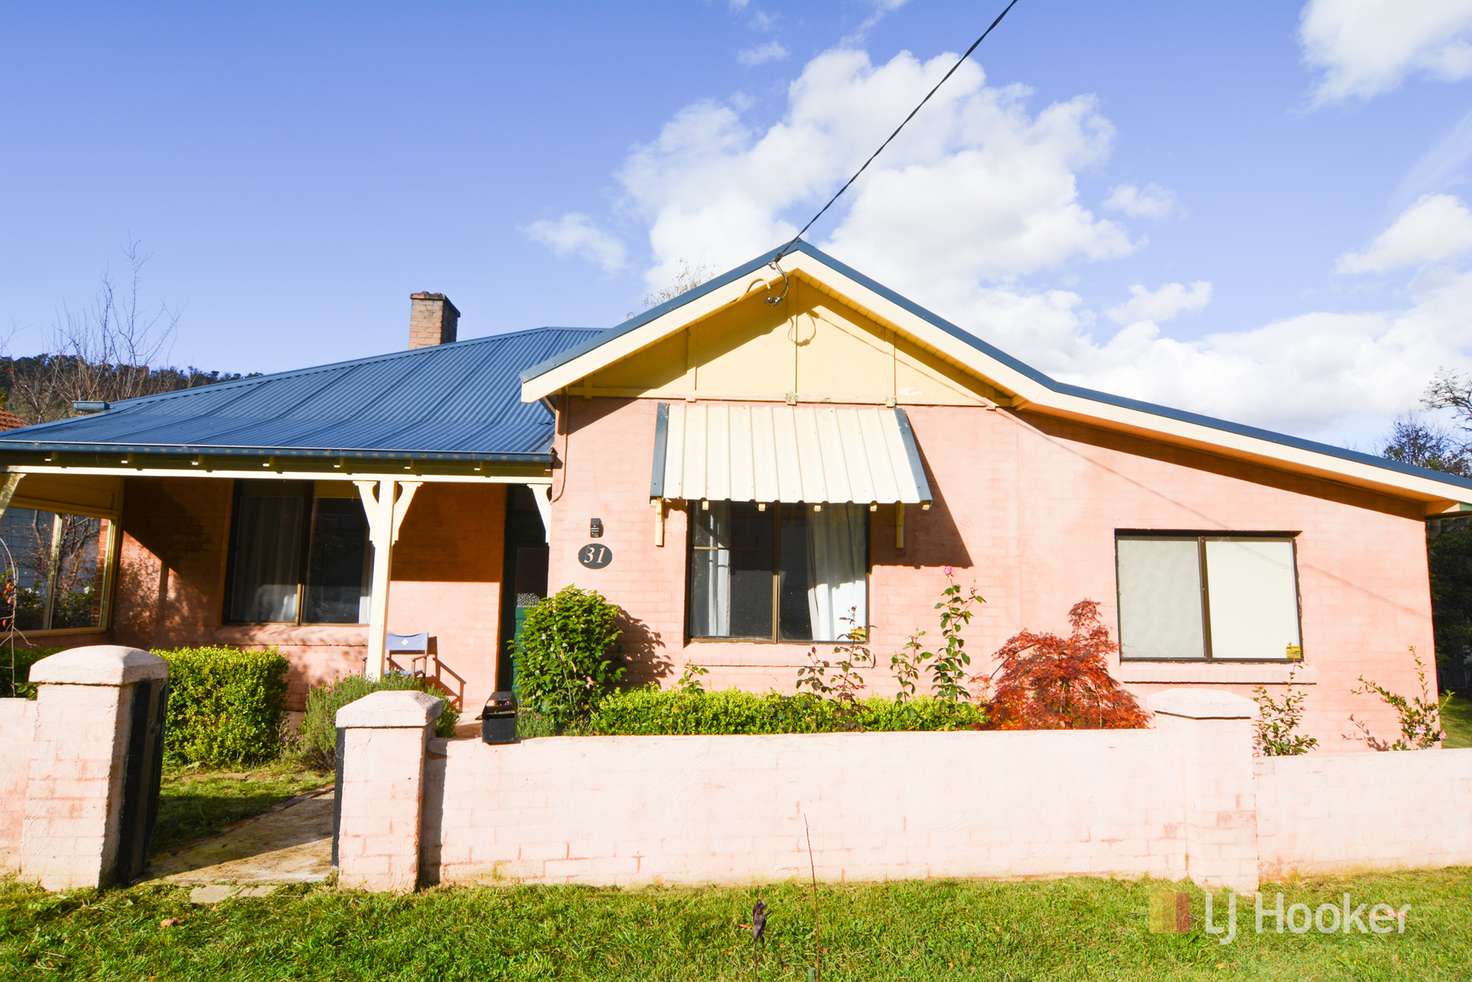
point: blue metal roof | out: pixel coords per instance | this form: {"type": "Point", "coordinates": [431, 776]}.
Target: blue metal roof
{"type": "Point", "coordinates": [1065, 388]}
{"type": "Point", "coordinates": [457, 401]}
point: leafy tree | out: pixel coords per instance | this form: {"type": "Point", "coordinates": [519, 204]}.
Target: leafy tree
{"type": "Point", "coordinates": [1413, 440]}
{"type": "Point", "coordinates": [1049, 682]}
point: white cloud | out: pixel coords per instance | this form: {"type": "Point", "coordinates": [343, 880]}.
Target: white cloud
{"type": "Point", "coordinates": [976, 188]}
{"type": "Point", "coordinates": [1435, 228]}
{"type": "Point", "coordinates": [575, 234]}
{"type": "Point", "coordinates": [762, 53]}
{"type": "Point", "coordinates": [1327, 374]}
{"type": "Point", "coordinates": [1150, 201]}
{"type": "Point", "coordinates": [1445, 165]}
{"type": "Point", "coordinates": [976, 206]}
{"type": "Point", "coordinates": [1364, 47]}
{"type": "Point", "coordinates": [1161, 304]}
{"type": "Point", "coordinates": [878, 10]}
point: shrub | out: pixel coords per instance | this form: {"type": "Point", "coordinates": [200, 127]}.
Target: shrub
{"type": "Point", "coordinates": [565, 659]}
{"type": "Point", "coordinates": [1276, 731]}
{"type": "Point", "coordinates": [316, 743]}
{"type": "Point", "coordinates": [1048, 682]}
{"type": "Point", "coordinates": [655, 712]}
{"type": "Point", "coordinates": [845, 685]}
{"type": "Point", "coordinates": [226, 706]}
{"type": "Point", "coordinates": [1419, 716]}
{"type": "Point", "coordinates": [948, 666]}
{"type": "Point", "coordinates": [15, 670]}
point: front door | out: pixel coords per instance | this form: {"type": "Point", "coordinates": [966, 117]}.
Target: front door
{"type": "Point", "coordinates": [525, 574]}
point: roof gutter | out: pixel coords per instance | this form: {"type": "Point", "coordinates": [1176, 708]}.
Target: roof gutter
{"type": "Point", "coordinates": [16, 448]}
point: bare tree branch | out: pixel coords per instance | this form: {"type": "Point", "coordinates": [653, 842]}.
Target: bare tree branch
{"type": "Point", "coordinates": [101, 354]}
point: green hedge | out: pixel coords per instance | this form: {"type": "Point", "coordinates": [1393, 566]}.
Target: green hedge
{"type": "Point", "coordinates": [18, 683]}
{"type": "Point", "coordinates": [652, 711]}
{"type": "Point", "coordinates": [226, 706]}
{"type": "Point", "coordinates": [317, 741]}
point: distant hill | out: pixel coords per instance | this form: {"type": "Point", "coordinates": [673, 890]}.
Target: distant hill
{"type": "Point", "coordinates": [38, 388]}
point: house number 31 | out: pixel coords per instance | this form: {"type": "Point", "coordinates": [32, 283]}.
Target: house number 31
{"type": "Point", "coordinates": [595, 556]}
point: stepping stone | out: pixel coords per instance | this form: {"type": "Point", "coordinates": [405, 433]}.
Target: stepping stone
{"type": "Point", "coordinates": [212, 894]}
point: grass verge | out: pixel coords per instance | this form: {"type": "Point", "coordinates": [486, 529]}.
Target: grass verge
{"type": "Point", "coordinates": [1456, 719]}
{"type": "Point", "coordinates": [916, 930]}
{"type": "Point", "coordinates": [194, 803]}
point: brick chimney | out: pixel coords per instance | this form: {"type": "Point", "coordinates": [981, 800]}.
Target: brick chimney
{"type": "Point", "coordinates": [432, 319]}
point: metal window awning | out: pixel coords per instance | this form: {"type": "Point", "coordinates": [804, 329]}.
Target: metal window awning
{"type": "Point", "coordinates": [769, 453]}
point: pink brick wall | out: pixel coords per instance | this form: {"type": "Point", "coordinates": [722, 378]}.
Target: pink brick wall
{"type": "Point", "coordinates": [17, 736]}
{"type": "Point", "coordinates": [378, 844]}
{"type": "Point", "coordinates": [1026, 508]}
{"type": "Point", "coordinates": [74, 790]}
{"type": "Point", "coordinates": [1324, 814]}
{"type": "Point", "coordinates": [1185, 799]}
{"type": "Point", "coordinates": [619, 810]}
{"type": "Point", "coordinates": [447, 581]}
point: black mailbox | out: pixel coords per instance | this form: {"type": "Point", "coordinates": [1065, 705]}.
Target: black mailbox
{"type": "Point", "coordinates": [498, 719]}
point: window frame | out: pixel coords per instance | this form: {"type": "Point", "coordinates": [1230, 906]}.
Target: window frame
{"type": "Point", "coordinates": [1202, 537]}
{"type": "Point", "coordinates": [774, 510]}
{"type": "Point", "coordinates": [308, 492]}
{"type": "Point", "coordinates": [111, 546]}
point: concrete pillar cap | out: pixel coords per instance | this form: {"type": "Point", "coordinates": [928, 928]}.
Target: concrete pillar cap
{"type": "Point", "coordinates": [390, 708]}
{"type": "Point", "coordinates": [1192, 703]}
{"type": "Point", "coordinates": [99, 664]}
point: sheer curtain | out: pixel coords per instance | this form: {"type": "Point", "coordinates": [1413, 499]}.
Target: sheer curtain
{"type": "Point", "coordinates": [836, 565]}
{"type": "Point", "coordinates": [710, 598]}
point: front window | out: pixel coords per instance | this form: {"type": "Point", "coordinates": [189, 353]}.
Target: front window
{"type": "Point", "coordinates": [299, 554]}
{"type": "Point", "coordinates": [57, 563]}
{"type": "Point", "coordinates": [1219, 597]}
{"type": "Point", "coordinates": [784, 573]}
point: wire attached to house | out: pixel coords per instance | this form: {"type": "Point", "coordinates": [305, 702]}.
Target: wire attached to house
{"type": "Point", "coordinates": [967, 54]}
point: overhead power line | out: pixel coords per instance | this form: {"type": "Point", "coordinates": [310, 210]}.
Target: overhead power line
{"type": "Point", "coordinates": [920, 105]}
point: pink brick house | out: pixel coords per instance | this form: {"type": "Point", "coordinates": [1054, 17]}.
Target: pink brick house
{"type": "Point", "coordinates": [742, 469]}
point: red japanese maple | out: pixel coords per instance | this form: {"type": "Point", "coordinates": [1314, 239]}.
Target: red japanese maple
{"type": "Point", "coordinates": [1049, 682]}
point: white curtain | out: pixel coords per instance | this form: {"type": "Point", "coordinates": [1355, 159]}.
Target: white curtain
{"type": "Point", "coordinates": [836, 562]}
{"type": "Point", "coordinates": [711, 600]}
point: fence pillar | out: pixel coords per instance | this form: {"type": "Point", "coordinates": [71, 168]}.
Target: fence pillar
{"type": "Point", "coordinates": [71, 832]}
{"type": "Point", "coordinates": [1211, 733]}
{"type": "Point", "coordinates": [380, 793]}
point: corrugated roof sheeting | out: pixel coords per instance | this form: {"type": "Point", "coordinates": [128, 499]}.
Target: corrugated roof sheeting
{"type": "Point", "coordinates": [457, 399]}
{"type": "Point", "coordinates": [810, 454]}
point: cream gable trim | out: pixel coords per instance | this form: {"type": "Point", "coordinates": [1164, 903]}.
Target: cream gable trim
{"type": "Point", "coordinates": [1025, 391]}
{"type": "Point", "coordinates": [616, 349]}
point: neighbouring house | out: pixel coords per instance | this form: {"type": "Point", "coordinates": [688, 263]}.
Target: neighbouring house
{"type": "Point", "coordinates": [747, 470]}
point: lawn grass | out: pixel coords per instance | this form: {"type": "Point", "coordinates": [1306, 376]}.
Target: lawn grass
{"type": "Point", "coordinates": [1456, 719]}
{"type": "Point", "coordinates": [905, 930]}
{"type": "Point", "coordinates": [194, 803]}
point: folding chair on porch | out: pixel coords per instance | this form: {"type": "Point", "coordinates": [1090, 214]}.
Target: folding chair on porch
{"type": "Point", "coordinates": [417, 651]}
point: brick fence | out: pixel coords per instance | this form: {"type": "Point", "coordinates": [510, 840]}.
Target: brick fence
{"type": "Point", "coordinates": [78, 778]}
{"type": "Point", "coordinates": [1183, 800]}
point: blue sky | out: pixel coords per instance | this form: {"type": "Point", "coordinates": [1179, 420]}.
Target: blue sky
{"type": "Point", "coordinates": [296, 170]}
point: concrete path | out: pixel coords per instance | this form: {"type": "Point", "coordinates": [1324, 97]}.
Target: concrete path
{"type": "Point", "coordinates": [292, 844]}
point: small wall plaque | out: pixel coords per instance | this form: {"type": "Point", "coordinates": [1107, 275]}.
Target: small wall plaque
{"type": "Point", "coordinates": [595, 555]}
